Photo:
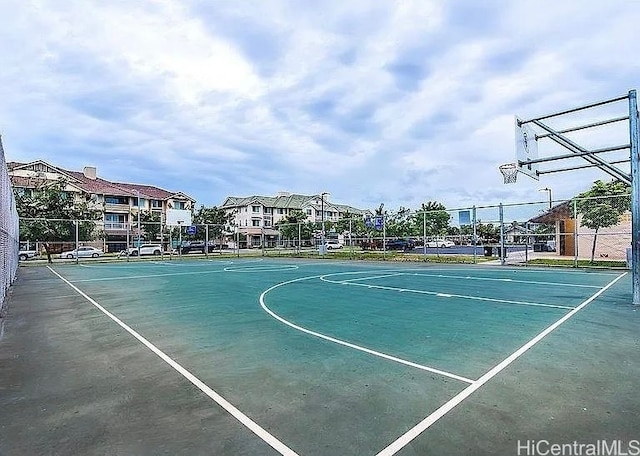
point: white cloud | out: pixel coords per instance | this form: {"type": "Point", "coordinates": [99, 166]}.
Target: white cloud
{"type": "Point", "coordinates": [399, 102]}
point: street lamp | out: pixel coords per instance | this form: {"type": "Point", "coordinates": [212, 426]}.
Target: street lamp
{"type": "Point", "coordinates": [180, 222]}
{"type": "Point", "coordinates": [322, 215]}
{"type": "Point", "coordinates": [138, 199]}
{"type": "Point", "coordinates": [547, 189]}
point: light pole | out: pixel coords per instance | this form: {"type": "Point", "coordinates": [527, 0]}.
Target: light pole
{"type": "Point", "coordinates": [179, 222]}
{"type": "Point", "coordinates": [138, 199]}
{"type": "Point", "coordinates": [322, 215]}
{"type": "Point", "coordinates": [547, 189]}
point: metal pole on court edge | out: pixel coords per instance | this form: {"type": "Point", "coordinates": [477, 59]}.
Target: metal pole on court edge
{"type": "Point", "coordinates": [575, 235]}
{"type": "Point", "coordinates": [128, 230]}
{"type": "Point", "coordinates": [502, 249]}
{"type": "Point", "coordinates": [475, 236]}
{"type": "Point", "coordinates": [424, 234]}
{"type": "Point", "coordinates": [77, 256]}
{"type": "Point", "coordinates": [634, 136]}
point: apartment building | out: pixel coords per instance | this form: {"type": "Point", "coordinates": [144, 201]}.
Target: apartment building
{"type": "Point", "coordinates": [118, 201]}
{"type": "Point", "coordinates": [256, 216]}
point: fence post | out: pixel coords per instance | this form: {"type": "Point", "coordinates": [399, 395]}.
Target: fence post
{"type": "Point", "coordinates": [77, 241]}
{"type": "Point", "coordinates": [575, 234]}
{"type": "Point", "coordinates": [502, 252]}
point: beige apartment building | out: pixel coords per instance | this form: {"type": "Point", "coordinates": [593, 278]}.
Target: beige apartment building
{"type": "Point", "coordinates": [256, 216]}
{"type": "Point", "coordinates": [118, 201]}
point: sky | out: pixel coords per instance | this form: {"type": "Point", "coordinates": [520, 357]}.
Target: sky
{"type": "Point", "coordinates": [394, 102]}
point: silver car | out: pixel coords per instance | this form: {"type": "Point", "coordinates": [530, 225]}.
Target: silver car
{"type": "Point", "coordinates": [145, 249]}
{"type": "Point", "coordinates": [82, 252]}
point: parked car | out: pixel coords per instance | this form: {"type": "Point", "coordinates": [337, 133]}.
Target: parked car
{"type": "Point", "coordinates": [400, 244]}
{"type": "Point", "coordinates": [145, 249]}
{"type": "Point", "coordinates": [199, 247]}
{"type": "Point", "coordinates": [26, 254]}
{"type": "Point", "coordinates": [442, 243]}
{"type": "Point", "coordinates": [82, 252]}
{"type": "Point", "coordinates": [192, 246]}
{"type": "Point", "coordinates": [333, 244]}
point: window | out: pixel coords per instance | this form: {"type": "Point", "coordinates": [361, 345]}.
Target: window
{"type": "Point", "coordinates": [268, 210]}
{"type": "Point", "coordinates": [267, 223]}
{"type": "Point", "coordinates": [255, 222]}
{"type": "Point", "coordinates": [179, 205]}
{"type": "Point", "coordinates": [114, 217]}
{"type": "Point", "coordinates": [281, 211]}
{"type": "Point", "coordinates": [116, 199]}
{"type": "Point", "coordinates": [114, 222]}
{"type": "Point", "coordinates": [156, 203]}
{"type": "Point", "coordinates": [308, 211]}
{"type": "Point", "coordinates": [255, 209]}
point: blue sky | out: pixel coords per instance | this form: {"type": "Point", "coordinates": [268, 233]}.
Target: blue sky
{"type": "Point", "coordinates": [394, 102]}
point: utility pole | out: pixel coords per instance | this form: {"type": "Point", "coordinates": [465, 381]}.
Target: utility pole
{"type": "Point", "coordinates": [138, 199]}
{"type": "Point", "coordinates": [322, 238]}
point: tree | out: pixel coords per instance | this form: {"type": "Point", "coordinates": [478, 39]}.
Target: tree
{"type": "Point", "coordinates": [52, 210]}
{"type": "Point", "coordinates": [434, 216]}
{"type": "Point", "coordinates": [351, 223]}
{"type": "Point", "coordinates": [487, 231]}
{"type": "Point", "coordinates": [398, 223]}
{"type": "Point", "coordinates": [288, 226]}
{"type": "Point", "coordinates": [216, 217]}
{"type": "Point", "coordinates": [602, 205]}
{"type": "Point", "coordinates": [150, 224]}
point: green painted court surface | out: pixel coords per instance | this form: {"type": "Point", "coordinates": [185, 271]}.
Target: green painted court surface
{"type": "Point", "coordinates": [330, 358]}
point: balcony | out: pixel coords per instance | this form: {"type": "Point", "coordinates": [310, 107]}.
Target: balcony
{"type": "Point", "coordinates": [119, 208]}
{"type": "Point", "coordinates": [116, 226]}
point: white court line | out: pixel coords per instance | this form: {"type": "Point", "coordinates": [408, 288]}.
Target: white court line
{"type": "Point", "coordinates": [149, 276]}
{"type": "Point", "coordinates": [349, 344]}
{"type": "Point", "coordinates": [448, 295]}
{"type": "Point", "coordinates": [496, 279]}
{"type": "Point", "coordinates": [374, 277]}
{"type": "Point", "coordinates": [492, 279]}
{"type": "Point", "coordinates": [221, 401]}
{"type": "Point", "coordinates": [262, 268]}
{"type": "Point", "coordinates": [422, 426]}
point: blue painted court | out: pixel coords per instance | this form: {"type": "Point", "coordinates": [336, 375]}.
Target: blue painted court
{"type": "Point", "coordinates": [256, 356]}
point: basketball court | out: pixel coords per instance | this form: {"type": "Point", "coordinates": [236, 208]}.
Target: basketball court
{"type": "Point", "coordinates": [253, 356]}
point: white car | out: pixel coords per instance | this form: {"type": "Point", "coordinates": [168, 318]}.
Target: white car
{"type": "Point", "coordinates": [442, 243]}
{"type": "Point", "coordinates": [145, 249]}
{"type": "Point", "coordinates": [333, 244]}
{"type": "Point", "coordinates": [26, 254]}
{"type": "Point", "coordinates": [82, 252]}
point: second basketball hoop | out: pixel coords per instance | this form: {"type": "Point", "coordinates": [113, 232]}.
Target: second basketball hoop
{"type": "Point", "coordinates": [509, 172]}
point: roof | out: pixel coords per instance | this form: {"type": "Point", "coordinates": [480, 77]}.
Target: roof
{"type": "Point", "coordinates": [560, 211]}
{"type": "Point", "coordinates": [95, 186]}
{"type": "Point", "coordinates": [292, 201]}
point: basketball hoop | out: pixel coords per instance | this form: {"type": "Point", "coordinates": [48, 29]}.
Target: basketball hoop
{"type": "Point", "coordinates": [509, 172]}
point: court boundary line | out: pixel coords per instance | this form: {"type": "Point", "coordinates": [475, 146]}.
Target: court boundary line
{"type": "Point", "coordinates": [444, 409]}
{"type": "Point", "coordinates": [149, 276]}
{"type": "Point", "coordinates": [410, 272]}
{"type": "Point", "coordinates": [349, 344]}
{"type": "Point", "coordinates": [443, 295]}
{"type": "Point", "coordinates": [254, 427]}
{"type": "Point", "coordinates": [494, 279]}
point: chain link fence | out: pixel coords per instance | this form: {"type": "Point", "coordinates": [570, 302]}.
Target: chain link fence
{"type": "Point", "coordinates": [577, 232]}
{"type": "Point", "coordinates": [9, 231]}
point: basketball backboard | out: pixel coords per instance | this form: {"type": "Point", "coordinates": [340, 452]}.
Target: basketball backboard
{"type": "Point", "coordinates": [526, 149]}
{"type": "Point", "coordinates": [178, 217]}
